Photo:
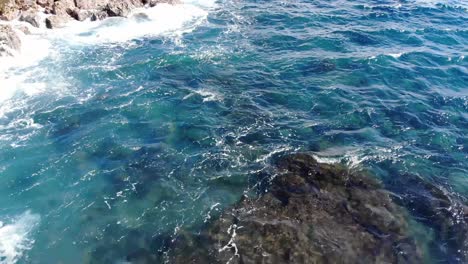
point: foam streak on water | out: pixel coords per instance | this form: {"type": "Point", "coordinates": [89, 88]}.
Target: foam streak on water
{"type": "Point", "coordinates": [42, 44]}
{"type": "Point", "coordinates": [16, 236]}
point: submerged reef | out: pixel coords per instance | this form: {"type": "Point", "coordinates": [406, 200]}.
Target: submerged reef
{"type": "Point", "coordinates": [445, 213]}
{"type": "Point", "coordinates": [311, 213]}
{"type": "Point", "coordinates": [322, 213]}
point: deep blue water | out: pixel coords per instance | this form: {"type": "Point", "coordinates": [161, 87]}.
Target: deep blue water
{"type": "Point", "coordinates": [124, 141]}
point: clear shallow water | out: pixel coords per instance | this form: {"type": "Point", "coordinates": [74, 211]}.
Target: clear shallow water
{"type": "Point", "coordinates": [130, 130]}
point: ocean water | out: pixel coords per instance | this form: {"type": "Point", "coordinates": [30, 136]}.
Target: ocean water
{"type": "Point", "coordinates": [116, 135]}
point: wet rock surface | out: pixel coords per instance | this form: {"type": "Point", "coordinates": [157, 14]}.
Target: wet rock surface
{"type": "Point", "coordinates": [64, 10]}
{"type": "Point", "coordinates": [312, 213]}
{"type": "Point", "coordinates": [58, 14]}
{"type": "Point", "coordinates": [9, 41]}
{"type": "Point", "coordinates": [31, 17]}
{"type": "Point", "coordinates": [440, 210]}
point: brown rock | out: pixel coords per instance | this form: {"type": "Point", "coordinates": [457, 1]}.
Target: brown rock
{"type": "Point", "coordinates": [92, 4]}
{"type": "Point", "coordinates": [122, 8]}
{"type": "Point", "coordinates": [26, 4]}
{"type": "Point", "coordinates": [8, 9]}
{"type": "Point", "coordinates": [63, 7]}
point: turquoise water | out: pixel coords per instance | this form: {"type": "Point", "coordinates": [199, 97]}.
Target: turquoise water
{"type": "Point", "coordinates": [125, 133]}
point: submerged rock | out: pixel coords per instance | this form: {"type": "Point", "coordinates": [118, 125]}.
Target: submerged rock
{"type": "Point", "coordinates": [312, 213]}
{"type": "Point", "coordinates": [10, 42]}
{"type": "Point", "coordinates": [442, 211]}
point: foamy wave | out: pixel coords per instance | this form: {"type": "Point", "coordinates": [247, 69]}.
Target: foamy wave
{"type": "Point", "coordinates": [208, 96]}
{"type": "Point", "coordinates": [449, 3]}
{"type": "Point", "coordinates": [355, 157]}
{"type": "Point", "coordinates": [15, 237]}
{"type": "Point", "coordinates": [34, 48]}
{"type": "Point", "coordinates": [163, 19]}
{"type": "Point", "coordinates": [395, 55]}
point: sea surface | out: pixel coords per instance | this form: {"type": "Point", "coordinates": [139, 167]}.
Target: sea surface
{"type": "Point", "coordinates": [118, 134]}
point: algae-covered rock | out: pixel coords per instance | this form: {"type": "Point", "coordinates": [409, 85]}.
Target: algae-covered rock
{"type": "Point", "coordinates": [439, 209]}
{"type": "Point", "coordinates": [312, 213]}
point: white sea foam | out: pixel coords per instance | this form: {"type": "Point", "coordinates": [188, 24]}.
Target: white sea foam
{"type": "Point", "coordinates": [450, 3]}
{"type": "Point", "coordinates": [169, 20]}
{"type": "Point", "coordinates": [395, 55]}
{"type": "Point", "coordinates": [34, 48]}
{"type": "Point", "coordinates": [16, 237]}
{"type": "Point", "coordinates": [207, 95]}
{"type": "Point", "coordinates": [163, 19]}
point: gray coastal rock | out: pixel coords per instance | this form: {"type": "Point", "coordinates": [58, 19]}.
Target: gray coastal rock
{"type": "Point", "coordinates": [11, 9]}
{"type": "Point", "coordinates": [9, 41]}
{"type": "Point", "coordinates": [57, 21]}
{"type": "Point", "coordinates": [99, 15]}
{"type": "Point", "coordinates": [92, 4]}
{"type": "Point", "coordinates": [31, 17]}
{"type": "Point", "coordinates": [122, 8]}
{"type": "Point", "coordinates": [80, 14]}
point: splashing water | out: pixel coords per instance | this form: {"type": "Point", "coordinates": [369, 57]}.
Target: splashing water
{"type": "Point", "coordinates": [15, 237]}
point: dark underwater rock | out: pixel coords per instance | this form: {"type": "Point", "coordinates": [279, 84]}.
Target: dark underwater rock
{"type": "Point", "coordinates": [312, 213]}
{"type": "Point", "coordinates": [438, 209]}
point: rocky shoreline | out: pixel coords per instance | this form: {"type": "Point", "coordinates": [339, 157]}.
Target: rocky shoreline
{"type": "Point", "coordinates": [55, 14]}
